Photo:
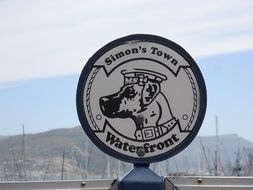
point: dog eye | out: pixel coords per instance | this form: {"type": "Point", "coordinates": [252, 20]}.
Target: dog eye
{"type": "Point", "coordinates": [132, 94]}
{"type": "Point", "coordinates": [129, 93]}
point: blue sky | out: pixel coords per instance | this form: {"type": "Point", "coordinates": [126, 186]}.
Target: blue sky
{"type": "Point", "coordinates": [48, 103]}
{"type": "Point", "coordinates": [45, 44]}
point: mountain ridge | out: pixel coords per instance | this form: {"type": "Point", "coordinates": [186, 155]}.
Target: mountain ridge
{"type": "Point", "coordinates": [37, 152]}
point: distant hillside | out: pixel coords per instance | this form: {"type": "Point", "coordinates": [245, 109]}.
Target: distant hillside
{"type": "Point", "coordinates": [40, 157]}
{"type": "Point", "coordinates": [43, 155]}
{"type": "Point", "coordinates": [231, 148]}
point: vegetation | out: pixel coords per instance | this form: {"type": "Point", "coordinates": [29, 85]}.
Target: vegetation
{"type": "Point", "coordinates": [62, 154]}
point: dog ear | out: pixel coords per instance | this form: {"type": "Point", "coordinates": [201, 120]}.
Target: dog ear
{"type": "Point", "coordinates": [149, 92]}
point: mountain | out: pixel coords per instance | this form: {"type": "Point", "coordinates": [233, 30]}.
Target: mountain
{"type": "Point", "coordinates": [40, 156]}
{"type": "Point", "coordinates": [2, 137]}
{"type": "Point", "coordinates": [62, 154]}
{"type": "Point", "coordinates": [201, 155]}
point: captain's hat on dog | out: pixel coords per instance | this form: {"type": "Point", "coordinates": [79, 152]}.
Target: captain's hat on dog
{"type": "Point", "coordinates": [142, 76]}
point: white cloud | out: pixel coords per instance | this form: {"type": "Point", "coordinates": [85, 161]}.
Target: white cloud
{"type": "Point", "coordinates": [52, 38]}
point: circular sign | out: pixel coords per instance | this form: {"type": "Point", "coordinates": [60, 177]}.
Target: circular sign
{"type": "Point", "coordinates": [141, 98]}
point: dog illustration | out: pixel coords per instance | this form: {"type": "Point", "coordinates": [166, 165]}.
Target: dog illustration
{"type": "Point", "coordinates": [141, 99]}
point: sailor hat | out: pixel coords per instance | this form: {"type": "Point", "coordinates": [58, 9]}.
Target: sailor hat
{"type": "Point", "coordinates": [142, 76]}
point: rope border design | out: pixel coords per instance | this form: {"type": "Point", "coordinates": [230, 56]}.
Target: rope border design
{"type": "Point", "coordinates": [88, 99]}
{"type": "Point", "coordinates": [194, 97]}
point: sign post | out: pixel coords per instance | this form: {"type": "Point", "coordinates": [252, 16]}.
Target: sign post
{"type": "Point", "coordinates": [141, 99]}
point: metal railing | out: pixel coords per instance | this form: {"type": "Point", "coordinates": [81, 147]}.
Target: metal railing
{"type": "Point", "coordinates": [182, 183]}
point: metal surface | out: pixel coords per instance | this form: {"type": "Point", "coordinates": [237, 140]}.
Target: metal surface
{"type": "Point", "coordinates": [142, 178]}
{"type": "Point", "coordinates": [132, 82]}
{"type": "Point", "coordinates": [212, 183]}
{"type": "Point", "coordinates": [61, 185]}
{"type": "Point", "coordinates": [182, 183]}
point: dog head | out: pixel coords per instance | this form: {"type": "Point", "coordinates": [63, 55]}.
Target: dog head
{"type": "Point", "coordinates": [139, 90]}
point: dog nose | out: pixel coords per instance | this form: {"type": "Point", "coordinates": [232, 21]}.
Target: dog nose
{"type": "Point", "coordinates": [109, 105]}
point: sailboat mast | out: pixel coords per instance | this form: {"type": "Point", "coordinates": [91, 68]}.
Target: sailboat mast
{"type": "Point", "coordinates": [23, 152]}
{"type": "Point", "coordinates": [86, 157]}
{"type": "Point", "coordinates": [217, 152]}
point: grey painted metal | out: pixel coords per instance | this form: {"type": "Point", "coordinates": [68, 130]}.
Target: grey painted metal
{"type": "Point", "coordinates": [212, 183]}
{"type": "Point", "coordinates": [60, 185]}
{"type": "Point", "coordinates": [182, 183]}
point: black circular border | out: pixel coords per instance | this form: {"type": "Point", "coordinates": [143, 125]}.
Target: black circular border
{"type": "Point", "coordinates": [148, 38]}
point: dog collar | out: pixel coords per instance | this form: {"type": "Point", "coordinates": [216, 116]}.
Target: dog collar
{"type": "Point", "coordinates": [152, 132]}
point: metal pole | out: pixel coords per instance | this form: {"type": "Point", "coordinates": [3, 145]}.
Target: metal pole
{"type": "Point", "coordinates": [86, 157]}
{"type": "Point", "coordinates": [23, 152]}
{"type": "Point", "coordinates": [217, 152]}
{"type": "Point", "coordinates": [62, 168]}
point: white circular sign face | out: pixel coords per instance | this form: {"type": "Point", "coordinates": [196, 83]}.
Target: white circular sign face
{"type": "Point", "coordinates": [141, 98]}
